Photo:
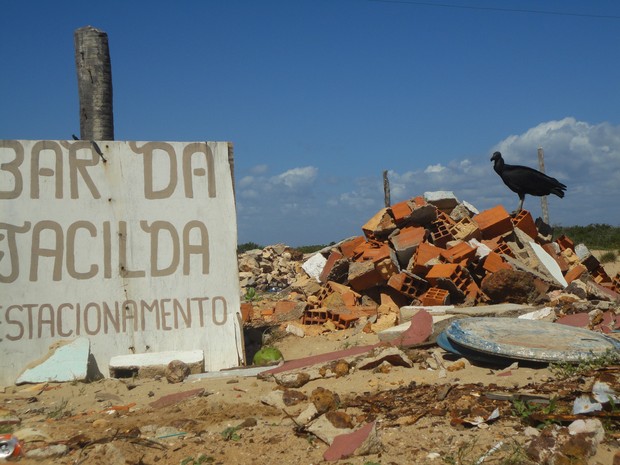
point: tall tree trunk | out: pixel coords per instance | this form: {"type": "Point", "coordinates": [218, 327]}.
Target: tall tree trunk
{"type": "Point", "coordinates": [94, 73]}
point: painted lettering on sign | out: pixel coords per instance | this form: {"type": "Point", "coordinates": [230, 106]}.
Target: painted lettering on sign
{"type": "Point", "coordinates": [36, 321]}
{"type": "Point", "coordinates": [78, 169]}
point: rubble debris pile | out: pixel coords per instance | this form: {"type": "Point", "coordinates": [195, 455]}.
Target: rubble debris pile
{"type": "Point", "coordinates": [433, 250]}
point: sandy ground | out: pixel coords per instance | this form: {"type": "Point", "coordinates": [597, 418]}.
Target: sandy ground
{"type": "Point", "coordinates": [419, 413]}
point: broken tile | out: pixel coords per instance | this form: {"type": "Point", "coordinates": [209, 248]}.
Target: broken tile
{"type": "Point", "coordinates": [65, 361]}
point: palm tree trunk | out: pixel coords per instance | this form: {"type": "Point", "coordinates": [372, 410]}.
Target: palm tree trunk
{"type": "Point", "coordinates": [94, 73]}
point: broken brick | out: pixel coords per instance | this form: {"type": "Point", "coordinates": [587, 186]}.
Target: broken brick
{"type": "Point", "coordinates": [441, 234]}
{"type": "Point", "coordinates": [465, 229]}
{"type": "Point", "coordinates": [494, 262]}
{"type": "Point", "coordinates": [405, 241]}
{"type": "Point", "coordinates": [524, 221]}
{"type": "Point", "coordinates": [334, 256]}
{"type": "Point", "coordinates": [565, 243]}
{"type": "Point", "coordinates": [461, 252]}
{"type": "Point", "coordinates": [423, 254]}
{"type": "Point", "coordinates": [315, 316]}
{"type": "Point", "coordinates": [380, 225]}
{"type": "Point", "coordinates": [401, 212]}
{"type": "Point", "coordinates": [347, 248]}
{"type": "Point", "coordinates": [363, 275]}
{"type": "Point", "coordinates": [452, 272]}
{"type": "Point", "coordinates": [493, 222]}
{"type": "Point", "coordinates": [410, 285]}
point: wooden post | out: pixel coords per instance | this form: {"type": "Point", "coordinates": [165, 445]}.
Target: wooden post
{"type": "Point", "coordinates": [543, 200]}
{"type": "Point", "coordinates": [94, 73]}
{"type": "Point", "coordinates": [386, 189]}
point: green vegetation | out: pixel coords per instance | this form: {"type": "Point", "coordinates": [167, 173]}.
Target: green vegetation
{"type": "Point", "coordinates": [609, 257]}
{"type": "Point", "coordinates": [241, 248]}
{"type": "Point", "coordinates": [563, 370]}
{"type": "Point", "coordinates": [202, 458]}
{"type": "Point", "coordinates": [230, 433]}
{"type": "Point", "coordinates": [594, 236]}
{"type": "Point", "coordinates": [524, 410]}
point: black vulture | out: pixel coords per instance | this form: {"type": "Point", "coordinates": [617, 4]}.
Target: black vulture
{"type": "Point", "coordinates": [524, 180]}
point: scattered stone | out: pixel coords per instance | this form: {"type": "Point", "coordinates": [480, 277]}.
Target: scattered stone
{"type": "Point", "coordinates": [47, 452]}
{"type": "Point", "coordinates": [392, 355]}
{"type": "Point", "coordinates": [324, 400]}
{"type": "Point", "coordinates": [292, 397]}
{"type": "Point", "coordinates": [177, 371]}
{"type": "Point", "coordinates": [510, 286]}
{"type": "Point", "coordinates": [322, 428]}
{"type": "Point", "coordinates": [292, 380]}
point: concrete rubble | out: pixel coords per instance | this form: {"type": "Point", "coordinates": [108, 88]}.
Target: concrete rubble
{"type": "Point", "coordinates": [430, 251]}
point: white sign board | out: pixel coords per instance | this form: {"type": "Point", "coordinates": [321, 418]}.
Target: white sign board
{"type": "Point", "coordinates": [130, 244]}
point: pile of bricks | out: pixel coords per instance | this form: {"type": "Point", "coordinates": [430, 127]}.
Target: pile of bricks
{"type": "Point", "coordinates": [434, 250]}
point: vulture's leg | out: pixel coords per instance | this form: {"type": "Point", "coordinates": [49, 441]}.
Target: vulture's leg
{"type": "Point", "coordinates": [521, 199]}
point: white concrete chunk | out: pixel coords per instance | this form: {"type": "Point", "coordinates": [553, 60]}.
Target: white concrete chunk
{"type": "Point", "coordinates": [314, 265]}
{"type": "Point", "coordinates": [64, 362]}
{"type": "Point", "coordinates": [444, 200]}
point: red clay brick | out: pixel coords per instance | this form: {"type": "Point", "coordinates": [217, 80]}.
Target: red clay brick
{"type": "Point", "coordinates": [334, 256]}
{"type": "Point", "coordinates": [441, 229]}
{"type": "Point", "coordinates": [380, 225]}
{"type": "Point", "coordinates": [423, 254]}
{"type": "Point", "coordinates": [315, 316]}
{"type": "Point", "coordinates": [406, 241]}
{"type": "Point", "coordinates": [600, 276]}
{"type": "Point", "coordinates": [565, 242]}
{"type": "Point", "coordinates": [494, 262]}
{"type": "Point", "coordinates": [524, 221]}
{"type": "Point", "coordinates": [493, 222]}
{"type": "Point", "coordinates": [461, 252]}
{"type": "Point", "coordinates": [410, 285]}
{"type": "Point", "coordinates": [401, 212]}
{"type": "Point", "coordinates": [453, 272]}
{"type": "Point", "coordinates": [363, 275]}
{"type": "Point", "coordinates": [372, 250]}
{"type": "Point", "coordinates": [348, 247]}
{"type": "Point", "coordinates": [575, 272]}
{"type": "Point", "coordinates": [435, 296]}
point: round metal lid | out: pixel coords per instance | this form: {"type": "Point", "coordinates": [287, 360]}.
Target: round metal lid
{"type": "Point", "coordinates": [539, 341]}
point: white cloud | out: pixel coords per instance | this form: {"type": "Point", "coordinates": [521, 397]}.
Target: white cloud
{"type": "Point", "coordinates": [259, 169]}
{"type": "Point", "coordinates": [297, 177]}
{"type": "Point", "coordinates": [298, 206]}
{"type": "Point", "coordinates": [434, 168]}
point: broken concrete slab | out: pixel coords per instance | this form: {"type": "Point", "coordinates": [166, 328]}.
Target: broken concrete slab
{"type": "Point", "coordinates": [408, 311]}
{"type": "Point", "coordinates": [154, 363]}
{"type": "Point", "coordinates": [65, 361]}
{"type": "Point", "coordinates": [443, 200]}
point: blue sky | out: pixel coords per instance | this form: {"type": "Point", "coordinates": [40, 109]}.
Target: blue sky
{"type": "Point", "coordinates": [320, 96]}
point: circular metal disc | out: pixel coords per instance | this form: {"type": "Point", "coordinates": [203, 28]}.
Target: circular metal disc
{"type": "Point", "coordinates": [539, 341]}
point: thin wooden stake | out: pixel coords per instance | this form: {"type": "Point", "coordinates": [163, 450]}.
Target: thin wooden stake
{"type": "Point", "coordinates": [386, 189]}
{"type": "Point", "coordinates": [543, 200]}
